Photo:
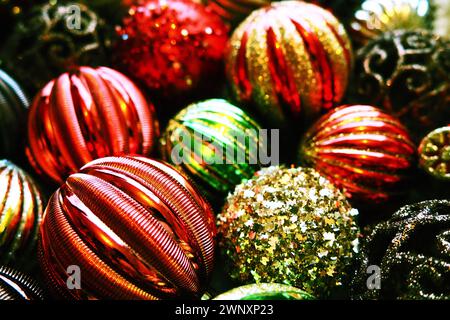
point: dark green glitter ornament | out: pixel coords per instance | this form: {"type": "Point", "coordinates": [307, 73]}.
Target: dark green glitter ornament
{"type": "Point", "coordinates": [411, 252]}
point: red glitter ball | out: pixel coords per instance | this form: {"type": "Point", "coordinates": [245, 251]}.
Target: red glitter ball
{"type": "Point", "coordinates": [172, 46]}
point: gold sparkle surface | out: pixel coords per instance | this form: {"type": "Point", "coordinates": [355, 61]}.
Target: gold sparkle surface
{"type": "Point", "coordinates": [289, 226]}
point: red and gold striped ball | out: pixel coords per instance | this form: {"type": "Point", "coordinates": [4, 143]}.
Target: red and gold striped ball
{"type": "Point", "coordinates": [135, 228]}
{"type": "Point", "coordinates": [362, 150]}
{"type": "Point", "coordinates": [290, 60]}
{"type": "Point", "coordinates": [87, 114]}
{"type": "Point", "coordinates": [21, 207]}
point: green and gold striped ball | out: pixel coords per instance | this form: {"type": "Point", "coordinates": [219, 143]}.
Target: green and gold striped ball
{"type": "Point", "coordinates": [194, 137]}
{"type": "Point", "coordinates": [21, 209]}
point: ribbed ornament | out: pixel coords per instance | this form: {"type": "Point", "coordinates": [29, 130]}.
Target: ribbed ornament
{"type": "Point", "coordinates": [13, 108]}
{"type": "Point", "coordinates": [21, 207]}
{"type": "Point", "coordinates": [374, 17]}
{"type": "Point", "coordinates": [84, 115]}
{"type": "Point", "coordinates": [136, 228]}
{"type": "Point", "coordinates": [290, 60]}
{"type": "Point", "coordinates": [215, 143]}
{"type": "Point", "coordinates": [17, 286]}
{"type": "Point", "coordinates": [362, 150]}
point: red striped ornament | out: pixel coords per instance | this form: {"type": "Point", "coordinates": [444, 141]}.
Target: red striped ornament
{"type": "Point", "coordinates": [291, 60]}
{"type": "Point", "coordinates": [362, 150]}
{"type": "Point", "coordinates": [84, 115]}
{"type": "Point", "coordinates": [135, 227]}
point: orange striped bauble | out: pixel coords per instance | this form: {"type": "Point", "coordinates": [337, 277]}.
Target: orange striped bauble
{"type": "Point", "coordinates": [134, 227]}
{"type": "Point", "coordinates": [362, 150]}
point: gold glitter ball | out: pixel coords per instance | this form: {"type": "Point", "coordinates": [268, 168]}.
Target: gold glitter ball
{"type": "Point", "coordinates": [289, 226]}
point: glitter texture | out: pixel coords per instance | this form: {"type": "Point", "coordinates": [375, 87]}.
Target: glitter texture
{"type": "Point", "coordinates": [13, 107]}
{"type": "Point", "coordinates": [172, 46]}
{"type": "Point", "coordinates": [18, 287]}
{"type": "Point", "coordinates": [265, 291]}
{"type": "Point", "coordinates": [287, 232]}
{"type": "Point", "coordinates": [291, 60]}
{"type": "Point", "coordinates": [434, 153]}
{"type": "Point", "coordinates": [412, 251]}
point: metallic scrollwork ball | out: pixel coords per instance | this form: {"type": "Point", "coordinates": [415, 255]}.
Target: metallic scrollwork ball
{"type": "Point", "coordinates": [407, 73]}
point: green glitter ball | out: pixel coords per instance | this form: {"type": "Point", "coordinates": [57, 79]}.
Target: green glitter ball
{"type": "Point", "coordinates": [214, 143]}
{"type": "Point", "coordinates": [265, 291]}
{"type": "Point", "coordinates": [289, 226]}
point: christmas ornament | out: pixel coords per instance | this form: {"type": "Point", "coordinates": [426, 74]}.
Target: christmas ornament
{"type": "Point", "coordinates": [20, 215]}
{"type": "Point", "coordinates": [17, 286]}
{"type": "Point", "coordinates": [434, 153]}
{"type": "Point", "coordinates": [362, 150]}
{"type": "Point", "coordinates": [175, 47]}
{"type": "Point", "coordinates": [214, 143]}
{"type": "Point", "coordinates": [136, 228]}
{"type": "Point", "coordinates": [54, 38]}
{"type": "Point", "coordinates": [87, 114]}
{"type": "Point", "coordinates": [265, 291]}
{"type": "Point", "coordinates": [407, 73]}
{"type": "Point", "coordinates": [290, 60]}
{"type": "Point", "coordinates": [411, 252]}
{"type": "Point", "coordinates": [289, 226]}
{"type": "Point", "coordinates": [375, 17]}
{"type": "Point", "coordinates": [13, 107]}
{"type": "Point", "coordinates": [234, 11]}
